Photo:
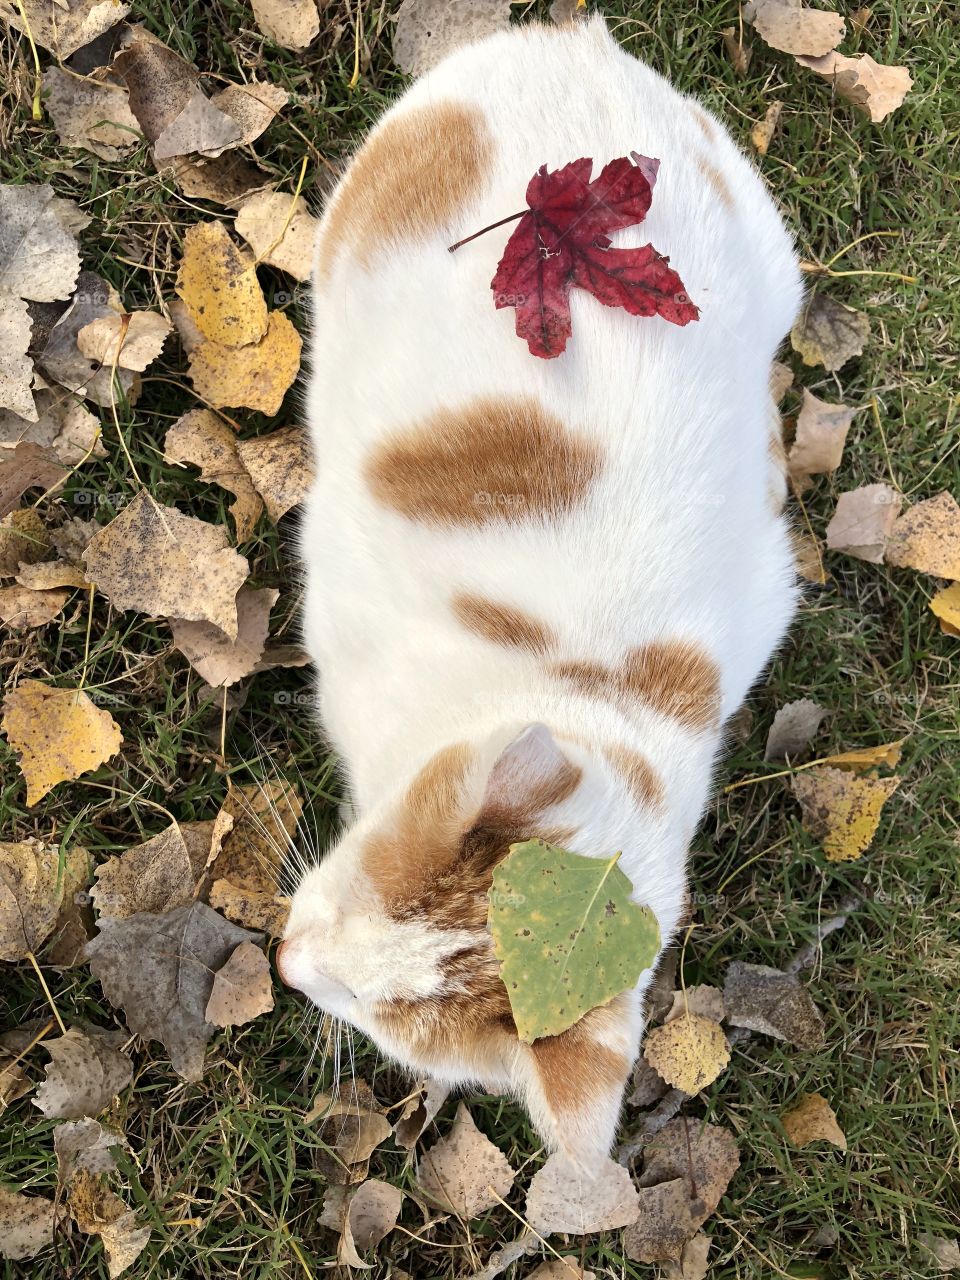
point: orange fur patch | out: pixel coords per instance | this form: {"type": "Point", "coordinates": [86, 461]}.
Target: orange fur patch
{"type": "Point", "coordinates": [412, 178]}
{"type": "Point", "coordinates": [494, 460]}
{"type": "Point", "coordinates": [706, 124]}
{"type": "Point", "coordinates": [502, 624]}
{"type": "Point", "coordinates": [639, 774]}
{"type": "Point", "coordinates": [574, 1065]}
{"type": "Point", "coordinates": [717, 181]}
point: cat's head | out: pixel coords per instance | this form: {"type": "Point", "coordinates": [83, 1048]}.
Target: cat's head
{"type": "Point", "coordinates": [390, 931]}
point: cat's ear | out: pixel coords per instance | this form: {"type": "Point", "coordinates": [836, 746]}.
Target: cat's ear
{"type": "Point", "coordinates": [529, 775]}
{"type": "Point", "coordinates": [574, 1084]}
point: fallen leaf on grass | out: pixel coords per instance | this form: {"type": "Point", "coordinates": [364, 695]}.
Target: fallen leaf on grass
{"type": "Point", "coordinates": [201, 127]}
{"type": "Point", "coordinates": [798, 31]}
{"type": "Point", "coordinates": [247, 871]}
{"type": "Point", "coordinates": [781, 380]}
{"type": "Point", "coordinates": [842, 810]}
{"type": "Point", "coordinates": [30, 895]}
{"type": "Point", "coordinates": [256, 376]}
{"type": "Point", "coordinates": [353, 1129]}
{"type": "Point", "coordinates": [946, 606]}
{"type": "Point", "coordinates": [863, 521]}
{"type": "Point", "coordinates": [228, 180]}
{"type": "Point", "coordinates": [242, 989]}
{"type": "Point", "coordinates": [862, 758]}
{"type": "Point", "coordinates": [738, 51]}
{"type": "Point", "coordinates": [63, 27]}
{"type": "Point", "coordinates": [160, 970]}
{"type": "Point", "coordinates": [692, 1264]}
{"type": "Point", "coordinates": [646, 1085]}
{"type": "Point", "coordinates": [161, 562]}
{"type": "Point", "coordinates": [280, 230]}
{"type": "Point", "coordinates": [62, 360]}
{"type": "Point", "coordinates": [813, 1120]}
{"type": "Point", "coordinates": [762, 133]}
{"type": "Point", "coordinates": [703, 999]}
{"type": "Point", "coordinates": [26, 1225]}
{"type": "Point", "coordinates": [86, 1071]}
{"type": "Point", "coordinates": [39, 258]}
{"type": "Point", "coordinates": [419, 1111]}
{"type": "Point", "coordinates": [16, 367]}
{"type": "Point", "coordinates": [74, 923]}
{"type": "Point", "coordinates": [292, 24]}
{"type": "Point", "coordinates": [28, 466]}
{"type": "Point", "coordinates": [23, 540]}
{"type": "Point", "coordinates": [43, 577]}
{"type": "Point", "coordinates": [562, 1198]}
{"type": "Point", "coordinates": [91, 114]}
{"type": "Point", "coordinates": [773, 1003]}
{"type": "Point", "coordinates": [363, 1217]}
{"type": "Point", "coordinates": [821, 434]}
{"type": "Point", "coordinates": [14, 1084]}
{"type": "Point", "coordinates": [98, 1211]}
{"type": "Point", "coordinates": [280, 466]}
{"type": "Point", "coordinates": [427, 30]}
{"type": "Point", "coordinates": [927, 538]}
{"type": "Point", "coordinates": [156, 876]}
{"type": "Point", "coordinates": [218, 283]}
{"type": "Point", "coordinates": [808, 558]}
{"type": "Point", "coordinates": [86, 1146]}
{"type": "Point", "coordinates": [944, 1253]}
{"type": "Point", "coordinates": [63, 424]}
{"type": "Point", "coordinates": [58, 733]}
{"type": "Point", "coordinates": [687, 1168]}
{"type": "Point", "coordinates": [877, 88]}
{"type": "Point", "coordinates": [464, 1171]}
{"type": "Point", "coordinates": [252, 106]}
{"type": "Point", "coordinates": [828, 333]}
{"type": "Point", "coordinates": [689, 1052]}
{"type": "Point", "coordinates": [794, 727]}
{"type": "Point", "coordinates": [203, 439]}
{"type": "Point", "coordinates": [222, 661]}
{"type": "Point", "coordinates": [135, 346]}
{"type": "Point", "coordinates": [23, 609]}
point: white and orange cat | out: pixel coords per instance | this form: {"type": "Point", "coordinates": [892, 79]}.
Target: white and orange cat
{"type": "Point", "coordinates": [536, 589]}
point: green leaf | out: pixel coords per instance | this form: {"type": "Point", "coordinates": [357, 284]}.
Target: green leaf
{"type": "Point", "coordinates": [566, 934]}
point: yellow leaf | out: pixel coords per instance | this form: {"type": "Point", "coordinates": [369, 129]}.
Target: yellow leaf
{"type": "Point", "coordinates": [813, 1120]}
{"type": "Point", "coordinates": [59, 734]}
{"type": "Point", "coordinates": [862, 758]}
{"type": "Point", "coordinates": [927, 538]}
{"type": "Point", "coordinates": [218, 282]}
{"type": "Point", "coordinates": [841, 810]}
{"type": "Point", "coordinates": [251, 377]}
{"type": "Point", "coordinates": [946, 605]}
{"type": "Point", "coordinates": [689, 1052]}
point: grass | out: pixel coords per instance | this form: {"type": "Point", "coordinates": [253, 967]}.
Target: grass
{"type": "Point", "coordinates": [224, 1171]}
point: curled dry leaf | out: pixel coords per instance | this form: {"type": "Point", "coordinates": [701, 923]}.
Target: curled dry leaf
{"type": "Point", "coordinates": [689, 1052]}
{"type": "Point", "coordinates": [132, 346]}
{"type": "Point", "coordinates": [692, 1263]}
{"type": "Point", "coordinates": [28, 466]}
{"type": "Point", "coordinates": [16, 367]}
{"type": "Point", "coordinates": [353, 1129]}
{"type": "Point", "coordinates": [646, 1086]}
{"type": "Point", "coordinates": [63, 424]}
{"type": "Point", "coordinates": [160, 969]}
{"type": "Point", "coordinates": [280, 231]}
{"type": "Point", "coordinates": [704, 1000]}
{"type": "Point", "coordinates": [98, 1211]}
{"type": "Point", "coordinates": [242, 988]}
{"type": "Point", "coordinates": [22, 608]}
{"type": "Point", "coordinates": [842, 810]}
{"type": "Point", "coordinates": [247, 871]}
{"type": "Point", "coordinates": [256, 376]}
{"type": "Point", "coordinates": [427, 30]}
{"type": "Point", "coordinates": [562, 1198]}
{"type": "Point", "coordinates": [794, 727]}
{"type": "Point", "coordinates": [30, 895]}
{"type": "Point", "coordinates": [813, 1120]}
{"type": "Point", "coordinates": [280, 466]}
{"type": "Point", "coordinates": [203, 439]}
{"type": "Point", "coordinates": [292, 24]}
{"type": "Point", "coordinates": [61, 358]}
{"type": "Point", "coordinates": [91, 114]}
{"type": "Point", "coordinates": [87, 1069]}
{"type": "Point", "coordinates": [773, 1003]}
{"type": "Point", "coordinates": [228, 180]}
{"type": "Point", "coordinates": [877, 88]}
{"type": "Point", "coordinates": [927, 538]}
{"type": "Point", "coordinates": [218, 283]}
{"type": "Point", "coordinates": [464, 1171]}
{"type": "Point", "coordinates": [222, 661]}
{"type": "Point", "coordinates": [26, 1225]}
{"type": "Point", "coordinates": [85, 1146]}
{"type": "Point", "coordinates": [39, 258]}
{"type": "Point", "coordinates": [762, 133]}
{"type": "Point", "coordinates": [363, 1217]}
{"type": "Point", "coordinates": [945, 605]}
{"type": "Point", "coordinates": [821, 434]}
{"type": "Point", "coordinates": [64, 27]}
{"type": "Point", "coordinates": [828, 333]}
{"type": "Point", "coordinates": [862, 758]}
{"type": "Point", "coordinates": [160, 561]}
{"type": "Point", "coordinates": [863, 521]}
{"type": "Point", "coordinates": [798, 31]}
{"type": "Point", "coordinates": [74, 923]}
{"type": "Point", "coordinates": [737, 50]}
{"type": "Point", "coordinates": [419, 1111]}
{"type": "Point", "coordinates": [156, 876]}
{"type": "Point", "coordinates": [59, 734]}
{"type": "Point", "coordinates": [252, 106]}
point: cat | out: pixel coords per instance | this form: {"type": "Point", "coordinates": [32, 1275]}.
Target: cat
{"type": "Point", "coordinates": [536, 589]}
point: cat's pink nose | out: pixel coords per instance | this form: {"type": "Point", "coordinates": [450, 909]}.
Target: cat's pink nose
{"type": "Point", "coordinates": [282, 954]}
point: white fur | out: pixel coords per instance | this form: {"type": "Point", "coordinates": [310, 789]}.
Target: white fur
{"type": "Point", "coordinates": [675, 539]}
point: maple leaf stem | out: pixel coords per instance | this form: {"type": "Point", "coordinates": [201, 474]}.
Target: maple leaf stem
{"type": "Point", "coordinates": [483, 230]}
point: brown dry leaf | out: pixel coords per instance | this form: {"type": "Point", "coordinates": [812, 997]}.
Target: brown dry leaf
{"type": "Point", "coordinates": [43, 577]}
{"type": "Point", "coordinates": [26, 1225]}
{"type": "Point", "coordinates": [74, 924]}
{"type": "Point", "coordinates": [218, 282]}
{"type": "Point", "coordinates": [257, 376]}
{"type": "Point", "coordinates": [692, 1263]}
{"type": "Point", "coordinates": [689, 1052]}
{"type": "Point", "coordinates": [160, 969]}
{"type": "Point", "coordinates": [134, 347]}
{"type": "Point", "coordinates": [86, 1145]}
{"type": "Point", "coordinates": [647, 1085]}
{"type": "Point", "coordinates": [292, 24]}
{"type": "Point", "coordinates": [808, 558]}
{"type": "Point", "coordinates": [781, 380]}
{"type": "Point", "coordinates": [821, 434]}
{"type": "Point", "coordinates": [280, 466]}
{"type": "Point", "coordinates": [564, 11]}
{"type": "Point", "coordinates": [62, 360]}
{"type": "Point", "coordinates": [363, 1217]}
{"type": "Point", "coordinates": [86, 1071]}
{"type": "Point", "coordinates": [23, 609]}
{"type": "Point", "coordinates": [687, 1168]}
{"type": "Point", "coordinates": [280, 230]}
{"type": "Point", "coordinates": [242, 989]}
{"type": "Point", "coordinates": [562, 1198]}
{"type": "Point", "coordinates": [28, 466]}
{"type": "Point", "coordinates": [427, 30]}
{"type": "Point", "coordinates": [561, 1269]}
{"type": "Point", "coordinates": [738, 51]}
{"type": "Point", "coordinates": [353, 1129]}
{"type": "Point", "coordinates": [16, 367]}
{"type": "Point", "coordinates": [863, 521]}
{"type": "Point", "coordinates": [263, 911]}
{"type": "Point", "coordinates": [878, 88]}
{"type": "Point", "coordinates": [798, 31]}
{"type": "Point", "coordinates": [98, 1211]}
{"type": "Point", "coordinates": [251, 106]}
{"type": "Point", "coordinates": [14, 1084]}
{"type": "Point", "coordinates": [773, 1003]}
{"type": "Point", "coordinates": [156, 876]}
{"type": "Point", "coordinates": [704, 1000]}
{"type": "Point", "coordinates": [943, 1253]}
{"type": "Point", "coordinates": [927, 538]}
{"type": "Point", "coordinates": [828, 333]}
{"type": "Point", "coordinates": [63, 26]}
{"type": "Point", "coordinates": [946, 606]}
{"type": "Point", "coordinates": [813, 1120]}
{"type": "Point", "coordinates": [458, 1171]}
{"type": "Point", "coordinates": [63, 424]}
{"type": "Point", "coordinates": [420, 1110]}
{"type": "Point", "coordinates": [39, 258]}
{"type": "Point", "coordinates": [842, 810]}
{"type": "Point", "coordinates": [58, 733]}
{"type": "Point", "coordinates": [200, 128]}
{"type": "Point", "coordinates": [30, 895]}
{"type": "Point", "coordinates": [164, 563]}
{"type": "Point", "coordinates": [222, 661]}
{"type": "Point", "coordinates": [23, 540]}
{"type": "Point", "coordinates": [794, 727]}
{"type": "Point", "coordinates": [862, 758]}
{"type": "Point", "coordinates": [248, 869]}
{"type": "Point", "coordinates": [205, 440]}
{"type": "Point", "coordinates": [761, 135]}
{"type": "Point", "coordinates": [228, 180]}
{"type": "Point", "coordinates": [92, 114]}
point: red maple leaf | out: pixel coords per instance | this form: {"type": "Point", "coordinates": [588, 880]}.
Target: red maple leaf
{"type": "Point", "coordinates": [563, 240]}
